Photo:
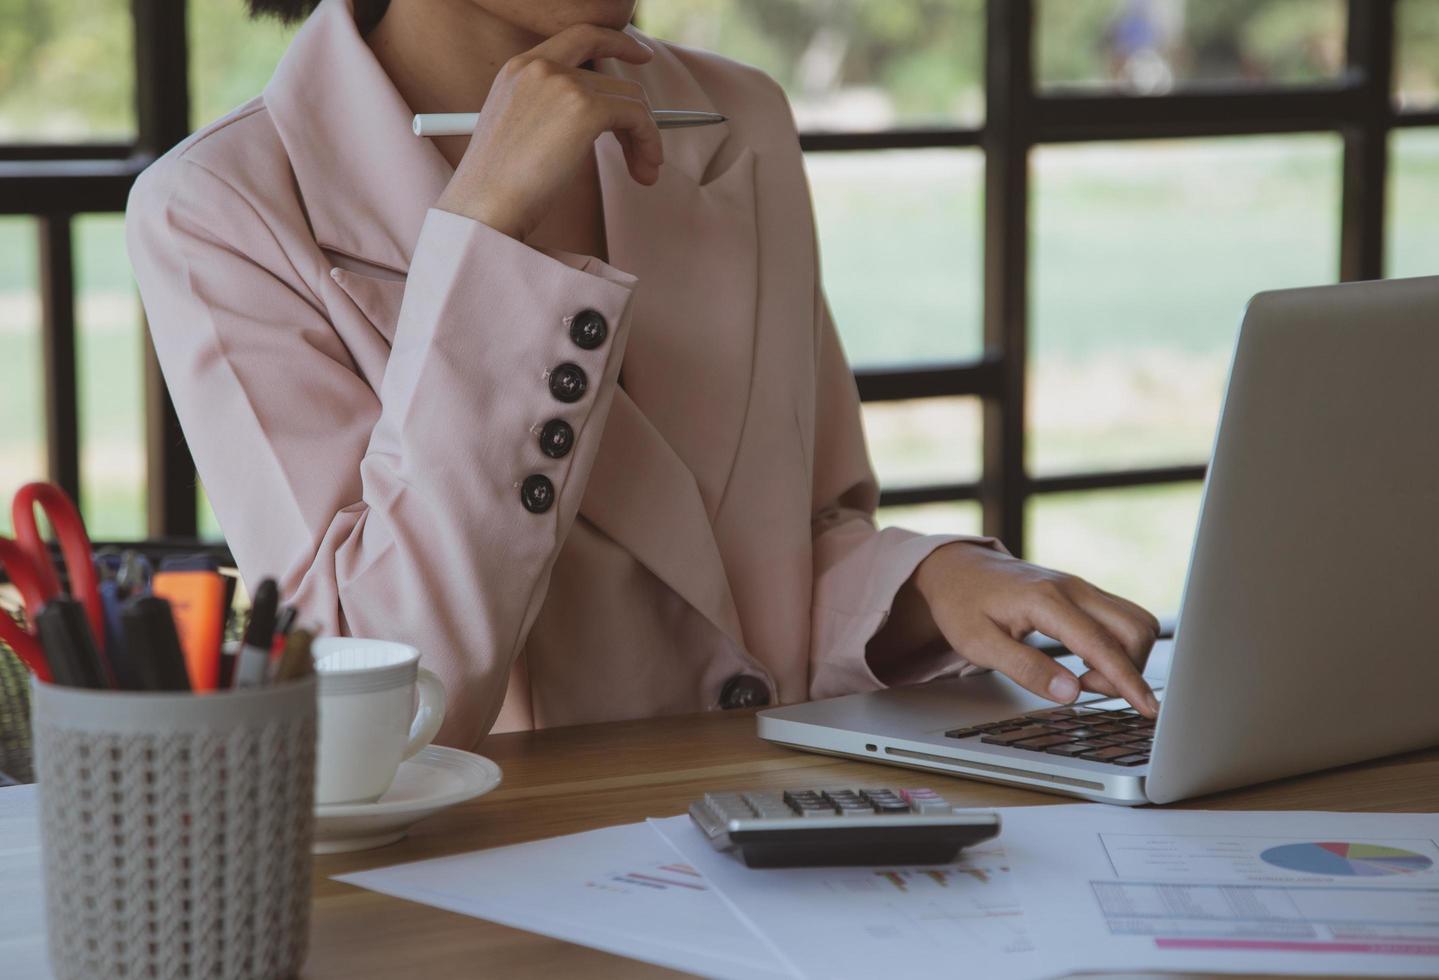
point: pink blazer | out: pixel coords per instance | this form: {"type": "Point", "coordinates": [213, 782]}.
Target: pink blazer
{"type": "Point", "coordinates": [365, 382]}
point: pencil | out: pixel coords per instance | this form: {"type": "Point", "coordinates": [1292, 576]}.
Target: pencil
{"type": "Point", "coordinates": [295, 662]}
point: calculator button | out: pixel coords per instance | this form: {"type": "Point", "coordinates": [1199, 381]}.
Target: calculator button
{"type": "Point", "coordinates": [725, 802]}
{"type": "Point", "coordinates": [768, 805]}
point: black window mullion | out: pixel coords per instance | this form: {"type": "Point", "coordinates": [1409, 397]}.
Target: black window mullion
{"type": "Point", "coordinates": [57, 342]}
{"type": "Point", "coordinates": [1009, 97]}
{"type": "Point", "coordinates": [981, 377]}
{"type": "Point", "coordinates": [889, 139]}
{"type": "Point", "coordinates": [163, 111]}
{"type": "Point", "coordinates": [1366, 140]}
{"type": "Point", "coordinates": [1067, 118]}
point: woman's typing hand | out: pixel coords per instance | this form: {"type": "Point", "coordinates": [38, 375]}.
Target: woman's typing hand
{"type": "Point", "coordinates": [985, 602]}
{"type": "Point", "coordinates": [539, 122]}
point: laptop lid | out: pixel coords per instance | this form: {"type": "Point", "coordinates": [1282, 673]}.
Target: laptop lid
{"type": "Point", "coordinates": [1308, 629]}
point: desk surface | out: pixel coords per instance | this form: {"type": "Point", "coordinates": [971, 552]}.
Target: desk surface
{"type": "Point", "coordinates": [564, 780]}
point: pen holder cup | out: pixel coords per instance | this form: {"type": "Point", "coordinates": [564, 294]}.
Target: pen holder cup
{"type": "Point", "coordinates": [176, 830]}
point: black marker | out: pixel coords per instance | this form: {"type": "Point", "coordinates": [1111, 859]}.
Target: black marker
{"type": "Point", "coordinates": [154, 645]}
{"type": "Point", "coordinates": [253, 666]}
{"type": "Point", "coordinates": [69, 646]}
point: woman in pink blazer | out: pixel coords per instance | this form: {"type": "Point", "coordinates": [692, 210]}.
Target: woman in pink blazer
{"type": "Point", "coordinates": [559, 402]}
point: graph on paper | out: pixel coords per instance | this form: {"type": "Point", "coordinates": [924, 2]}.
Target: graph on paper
{"type": "Point", "coordinates": [1243, 893]}
{"type": "Point", "coordinates": [968, 904]}
{"type": "Point", "coordinates": [1271, 860]}
{"type": "Point", "coordinates": [659, 877]}
{"type": "Point", "coordinates": [1348, 859]}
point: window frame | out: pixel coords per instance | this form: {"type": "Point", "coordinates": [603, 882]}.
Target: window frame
{"type": "Point", "coordinates": [54, 183]}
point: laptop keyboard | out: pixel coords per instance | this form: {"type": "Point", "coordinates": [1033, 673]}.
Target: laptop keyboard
{"type": "Point", "coordinates": [1120, 737]}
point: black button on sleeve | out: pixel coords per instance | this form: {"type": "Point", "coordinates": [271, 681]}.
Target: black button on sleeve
{"type": "Point", "coordinates": [568, 382]}
{"type": "Point", "coordinates": [557, 438]}
{"type": "Point", "coordinates": [537, 493]}
{"type": "Point", "coordinates": [744, 691]}
{"type": "Point", "coordinates": [588, 329]}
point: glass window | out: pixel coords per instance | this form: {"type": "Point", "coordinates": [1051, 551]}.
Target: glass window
{"type": "Point", "coordinates": [231, 56]}
{"type": "Point", "coordinates": [1413, 248]}
{"type": "Point", "coordinates": [1416, 58]}
{"type": "Point", "coordinates": [924, 441]}
{"type": "Point", "coordinates": [209, 524]}
{"type": "Point", "coordinates": [1149, 47]}
{"type": "Point", "coordinates": [958, 517]}
{"type": "Point", "coordinates": [1134, 543]}
{"type": "Point", "coordinates": [846, 64]}
{"type": "Point", "coordinates": [22, 418]}
{"type": "Point", "coordinates": [111, 381]}
{"type": "Point", "coordinates": [1144, 257]}
{"type": "Point", "coordinates": [901, 248]}
{"type": "Point", "coordinates": [67, 71]}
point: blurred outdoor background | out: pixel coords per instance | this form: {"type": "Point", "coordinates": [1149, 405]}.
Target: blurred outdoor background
{"type": "Point", "coordinates": [1143, 253]}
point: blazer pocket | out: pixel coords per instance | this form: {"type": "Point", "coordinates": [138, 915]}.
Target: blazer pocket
{"type": "Point", "coordinates": [377, 298]}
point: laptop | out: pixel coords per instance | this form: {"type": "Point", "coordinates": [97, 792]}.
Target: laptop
{"type": "Point", "coordinates": [1308, 631]}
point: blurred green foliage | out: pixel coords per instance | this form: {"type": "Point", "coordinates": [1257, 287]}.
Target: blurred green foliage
{"type": "Point", "coordinates": [66, 65]}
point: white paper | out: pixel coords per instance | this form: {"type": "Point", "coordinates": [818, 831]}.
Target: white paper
{"type": "Point", "coordinates": [619, 889]}
{"type": "Point", "coordinates": [959, 919]}
{"type": "Point", "coordinates": [1216, 891]}
{"type": "Point", "coordinates": [22, 886]}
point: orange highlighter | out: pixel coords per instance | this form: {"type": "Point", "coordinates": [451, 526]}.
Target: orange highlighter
{"type": "Point", "coordinates": [197, 598]}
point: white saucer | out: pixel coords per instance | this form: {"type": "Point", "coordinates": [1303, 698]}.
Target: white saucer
{"type": "Point", "coordinates": [435, 778]}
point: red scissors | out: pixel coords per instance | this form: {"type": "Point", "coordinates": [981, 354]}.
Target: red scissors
{"type": "Point", "coordinates": [26, 560]}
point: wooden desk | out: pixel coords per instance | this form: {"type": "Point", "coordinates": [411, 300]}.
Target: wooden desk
{"type": "Point", "coordinates": [564, 780]}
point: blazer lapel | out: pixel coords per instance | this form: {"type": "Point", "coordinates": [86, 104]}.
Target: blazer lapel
{"type": "Point", "coordinates": [366, 180]}
{"type": "Point", "coordinates": [692, 241]}
{"type": "Point", "coordinates": [674, 427]}
{"type": "Point", "coordinates": [644, 497]}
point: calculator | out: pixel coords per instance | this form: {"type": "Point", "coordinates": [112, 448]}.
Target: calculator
{"type": "Point", "coordinates": [831, 827]}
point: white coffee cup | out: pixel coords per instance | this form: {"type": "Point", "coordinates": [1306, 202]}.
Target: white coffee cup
{"type": "Point", "coordinates": [370, 718]}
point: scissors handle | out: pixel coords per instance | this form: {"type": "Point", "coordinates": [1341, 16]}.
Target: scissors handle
{"type": "Point", "coordinates": [74, 549]}
{"type": "Point", "coordinates": [26, 647]}
{"type": "Point", "coordinates": [21, 570]}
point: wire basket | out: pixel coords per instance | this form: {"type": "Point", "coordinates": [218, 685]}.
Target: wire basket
{"type": "Point", "coordinates": [176, 830]}
{"type": "Point", "coordinates": [15, 754]}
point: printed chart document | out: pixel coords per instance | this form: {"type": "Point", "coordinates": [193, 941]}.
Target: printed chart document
{"type": "Point", "coordinates": [1231, 891]}
{"type": "Point", "coordinates": [960, 919]}
{"type": "Point", "coordinates": [620, 889]}
{"type": "Point", "coordinates": [22, 926]}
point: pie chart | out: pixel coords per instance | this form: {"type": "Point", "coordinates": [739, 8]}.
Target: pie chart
{"type": "Point", "coordinates": [1345, 858]}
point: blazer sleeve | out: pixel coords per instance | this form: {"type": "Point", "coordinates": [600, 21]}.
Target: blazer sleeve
{"type": "Point", "coordinates": [387, 508]}
{"type": "Point", "coordinates": [858, 568]}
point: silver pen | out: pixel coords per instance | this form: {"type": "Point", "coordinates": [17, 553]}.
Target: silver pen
{"type": "Point", "coordinates": [463, 123]}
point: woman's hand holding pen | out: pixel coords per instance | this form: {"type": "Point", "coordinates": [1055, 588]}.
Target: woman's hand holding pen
{"type": "Point", "coordinates": [539, 122]}
{"type": "Point", "coordinates": [985, 602]}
